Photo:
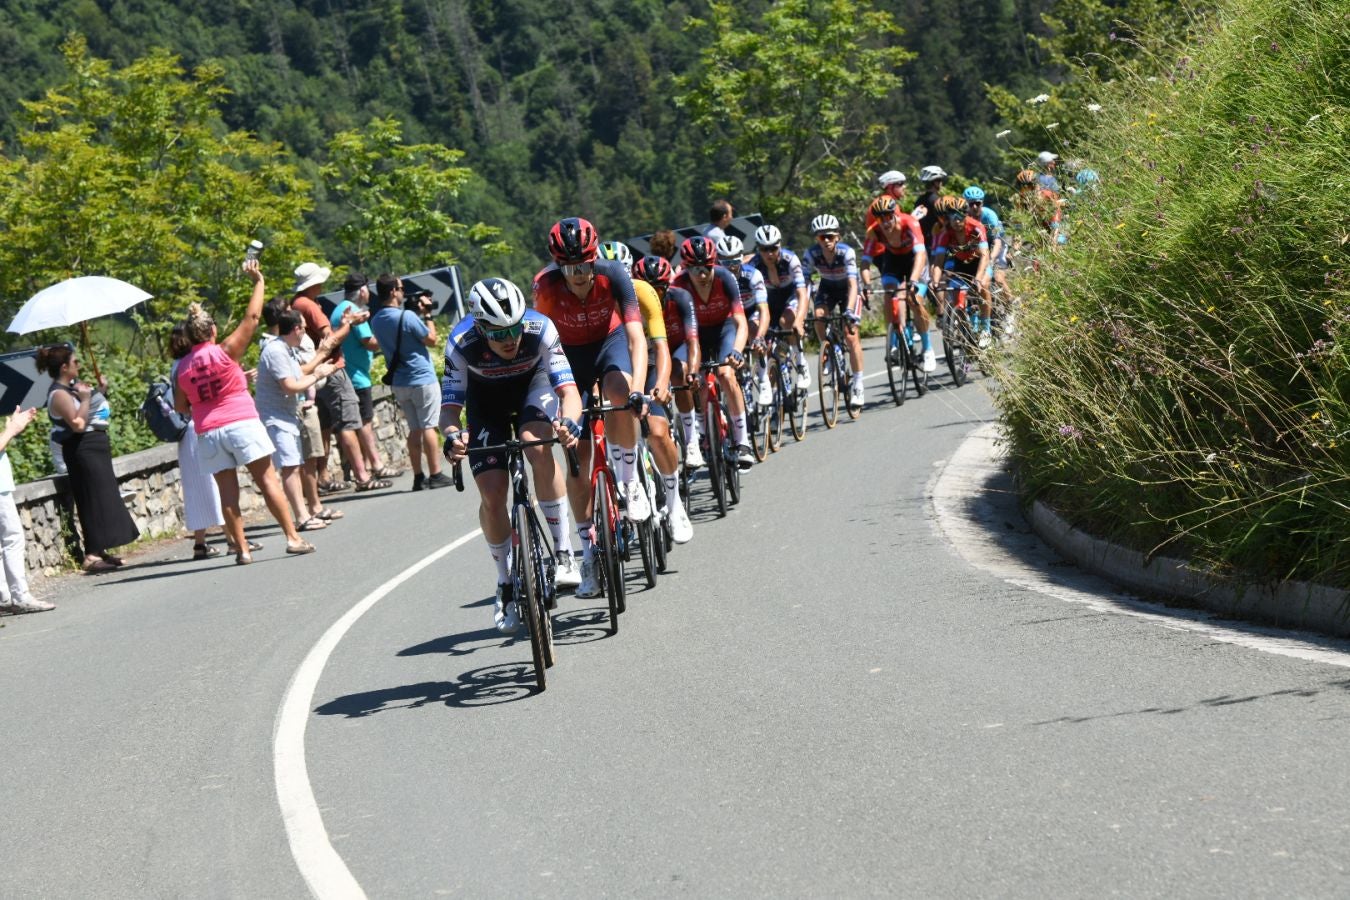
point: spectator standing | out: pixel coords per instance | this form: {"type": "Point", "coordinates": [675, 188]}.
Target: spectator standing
{"type": "Point", "coordinates": [201, 497]}
{"type": "Point", "coordinates": [14, 596]}
{"type": "Point", "coordinates": [212, 384]}
{"type": "Point", "coordinates": [337, 395]}
{"type": "Point", "coordinates": [404, 336]}
{"type": "Point", "coordinates": [80, 418]}
{"type": "Point", "coordinates": [720, 215]}
{"type": "Point", "coordinates": [1046, 178]}
{"type": "Point", "coordinates": [282, 384]}
{"type": "Point", "coordinates": [356, 349]}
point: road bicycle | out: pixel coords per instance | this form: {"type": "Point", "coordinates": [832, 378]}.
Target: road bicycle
{"type": "Point", "coordinates": [756, 416]}
{"type": "Point", "coordinates": [653, 531]}
{"type": "Point", "coordinates": [958, 340]}
{"type": "Point", "coordinates": [533, 563]}
{"type": "Point", "coordinates": [904, 353]}
{"type": "Point", "coordinates": [724, 470]}
{"type": "Point", "coordinates": [790, 400]}
{"type": "Point", "coordinates": [836, 373]}
{"type": "Point", "coordinates": [613, 531]}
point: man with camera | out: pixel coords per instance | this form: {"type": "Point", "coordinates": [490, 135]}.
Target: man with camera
{"type": "Point", "coordinates": [356, 349]}
{"type": "Point", "coordinates": [405, 329]}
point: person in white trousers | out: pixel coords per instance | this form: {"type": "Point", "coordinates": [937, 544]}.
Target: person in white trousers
{"type": "Point", "coordinates": [14, 596]}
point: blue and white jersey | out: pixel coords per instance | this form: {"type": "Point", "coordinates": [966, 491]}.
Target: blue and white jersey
{"type": "Point", "coordinates": [992, 226]}
{"type": "Point", "coordinates": [843, 267]}
{"type": "Point", "coordinates": [751, 282]}
{"type": "Point", "coordinates": [786, 273]}
{"type": "Point", "coordinates": [469, 358]}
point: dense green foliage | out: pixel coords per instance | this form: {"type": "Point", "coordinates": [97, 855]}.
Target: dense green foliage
{"type": "Point", "coordinates": [1183, 378]}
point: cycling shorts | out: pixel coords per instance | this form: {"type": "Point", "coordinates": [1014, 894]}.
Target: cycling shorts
{"type": "Point", "coordinates": [781, 299]}
{"type": "Point", "coordinates": [969, 269]}
{"type": "Point", "coordinates": [717, 344]}
{"type": "Point", "coordinates": [656, 409]}
{"type": "Point", "coordinates": [834, 294]}
{"type": "Point", "coordinates": [494, 409]}
{"type": "Point", "coordinates": [895, 268]}
{"type": "Point", "coordinates": [591, 362]}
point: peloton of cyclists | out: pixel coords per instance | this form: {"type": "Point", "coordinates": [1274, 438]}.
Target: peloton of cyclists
{"type": "Point", "coordinates": [837, 265]}
{"type": "Point", "coordinates": [599, 322]}
{"type": "Point", "coordinates": [504, 363]}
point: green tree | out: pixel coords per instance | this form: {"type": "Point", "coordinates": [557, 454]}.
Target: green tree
{"type": "Point", "coordinates": [396, 195]}
{"type": "Point", "coordinates": [783, 96]}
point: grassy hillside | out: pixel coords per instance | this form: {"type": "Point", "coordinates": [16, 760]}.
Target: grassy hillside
{"type": "Point", "coordinates": [1182, 382]}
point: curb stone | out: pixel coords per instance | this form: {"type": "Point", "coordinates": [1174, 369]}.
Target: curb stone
{"type": "Point", "coordinates": [1290, 604]}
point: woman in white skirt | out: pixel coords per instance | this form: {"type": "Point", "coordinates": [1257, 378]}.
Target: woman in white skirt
{"type": "Point", "coordinates": [201, 497]}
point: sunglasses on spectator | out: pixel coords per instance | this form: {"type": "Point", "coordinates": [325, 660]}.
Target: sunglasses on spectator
{"type": "Point", "coordinates": [577, 268]}
{"type": "Point", "coordinates": [501, 335]}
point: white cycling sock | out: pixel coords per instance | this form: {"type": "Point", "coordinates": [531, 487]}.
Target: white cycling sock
{"type": "Point", "coordinates": [738, 428]}
{"type": "Point", "coordinates": [857, 379]}
{"type": "Point", "coordinates": [690, 428]}
{"type": "Point", "coordinates": [584, 534]}
{"type": "Point", "coordinates": [673, 501]}
{"type": "Point", "coordinates": [556, 514]}
{"type": "Point", "coordinates": [501, 555]}
{"type": "Point", "coordinates": [623, 460]}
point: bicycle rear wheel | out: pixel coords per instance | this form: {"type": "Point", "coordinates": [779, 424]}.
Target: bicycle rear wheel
{"type": "Point", "coordinates": [953, 342]}
{"type": "Point", "coordinates": [542, 561]}
{"type": "Point", "coordinates": [611, 567]}
{"type": "Point", "coordinates": [796, 401]}
{"type": "Point", "coordinates": [529, 603]}
{"type": "Point", "coordinates": [731, 456]}
{"type": "Point", "coordinates": [845, 369]}
{"type": "Point", "coordinates": [897, 359]}
{"type": "Point", "coordinates": [773, 416]}
{"type": "Point", "coordinates": [828, 386]}
{"type": "Point", "coordinates": [715, 458]}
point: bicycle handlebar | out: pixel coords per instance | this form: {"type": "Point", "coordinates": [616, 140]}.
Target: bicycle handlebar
{"type": "Point", "coordinates": [515, 446]}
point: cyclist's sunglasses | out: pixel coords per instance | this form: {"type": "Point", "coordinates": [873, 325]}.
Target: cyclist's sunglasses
{"type": "Point", "coordinates": [704, 269]}
{"type": "Point", "coordinates": [502, 335]}
{"type": "Point", "coordinates": [828, 236]}
{"type": "Point", "coordinates": [770, 249]}
{"type": "Point", "coordinates": [577, 268]}
{"type": "Point", "coordinates": [975, 202]}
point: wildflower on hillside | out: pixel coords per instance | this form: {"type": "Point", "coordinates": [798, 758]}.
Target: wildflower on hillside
{"type": "Point", "coordinates": [1052, 126]}
{"type": "Point", "coordinates": [1094, 107]}
{"type": "Point", "coordinates": [1004, 133]}
{"type": "Point", "coordinates": [1039, 98]}
{"type": "Point", "coordinates": [1068, 431]}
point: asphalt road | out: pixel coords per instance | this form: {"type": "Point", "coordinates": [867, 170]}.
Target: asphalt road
{"type": "Point", "coordinates": [826, 698]}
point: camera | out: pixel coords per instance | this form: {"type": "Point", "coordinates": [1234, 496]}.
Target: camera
{"type": "Point", "coordinates": [420, 302]}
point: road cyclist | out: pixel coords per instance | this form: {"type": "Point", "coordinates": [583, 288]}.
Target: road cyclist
{"type": "Point", "coordinates": [592, 303]}
{"type": "Point", "coordinates": [836, 265]}
{"type": "Point", "coordinates": [786, 290]}
{"type": "Point", "coordinates": [722, 329]}
{"type": "Point", "coordinates": [978, 209]}
{"type": "Point", "coordinates": [755, 301]}
{"type": "Point", "coordinates": [505, 370]}
{"type": "Point", "coordinates": [961, 247]}
{"type": "Point", "coordinates": [895, 246]}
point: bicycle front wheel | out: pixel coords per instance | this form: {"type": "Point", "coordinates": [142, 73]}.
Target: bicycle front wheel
{"type": "Point", "coordinates": [828, 386]}
{"type": "Point", "coordinates": [897, 359]}
{"type": "Point", "coordinates": [611, 566]}
{"type": "Point", "coordinates": [773, 416]}
{"type": "Point", "coordinates": [953, 343]}
{"type": "Point", "coordinates": [713, 431]}
{"type": "Point", "coordinates": [529, 600]}
{"type": "Point", "coordinates": [731, 458]}
{"type": "Point", "coordinates": [795, 398]}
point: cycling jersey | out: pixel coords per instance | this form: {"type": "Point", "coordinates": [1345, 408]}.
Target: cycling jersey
{"type": "Point", "coordinates": [653, 321]}
{"type": "Point", "coordinates": [469, 359]}
{"type": "Point", "coordinates": [751, 282]}
{"type": "Point", "coordinates": [723, 300]}
{"type": "Point", "coordinates": [610, 304]}
{"type": "Point", "coordinates": [681, 324]}
{"type": "Point", "coordinates": [786, 272]}
{"type": "Point", "coordinates": [992, 226]}
{"type": "Point", "coordinates": [966, 245]}
{"type": "Point", "coordinates": [1042, 204]}
{"type": "Point", "coordinates": [930, 221]}
{"type": "Point", "coordinates": [844, 266]}
{"type": "Point", "coordinates": [899, 242]}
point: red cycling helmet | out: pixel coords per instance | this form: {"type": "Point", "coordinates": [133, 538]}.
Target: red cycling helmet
{"type": "Point", "coordinates": [654, 270]}
{"type": "Point", "coordinates": [698, 251]}
{"type": "Point", "coordinates": [573, 241]}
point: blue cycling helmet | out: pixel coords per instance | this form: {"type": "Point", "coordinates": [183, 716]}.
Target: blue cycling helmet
{"type": "Point", "coordinates": [1086, 177]}
{"type": "Point", "coordinates": [973, 194]}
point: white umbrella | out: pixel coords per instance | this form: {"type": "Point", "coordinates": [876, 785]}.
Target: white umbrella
{"type": "Point", "coordinates": [76, 301]}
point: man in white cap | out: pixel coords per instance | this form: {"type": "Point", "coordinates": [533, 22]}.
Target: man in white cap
{"type": "Point", "coordinates": [337, 396]}
{"type": "Point", "coordinates": [1046, 160]}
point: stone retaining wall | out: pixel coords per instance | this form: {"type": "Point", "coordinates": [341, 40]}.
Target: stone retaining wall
{"type": "Point", "coordinates": [152, 491]}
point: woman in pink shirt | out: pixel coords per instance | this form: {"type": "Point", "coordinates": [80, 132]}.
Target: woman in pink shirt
{"type": "Point", "coordinates": [229, 433]}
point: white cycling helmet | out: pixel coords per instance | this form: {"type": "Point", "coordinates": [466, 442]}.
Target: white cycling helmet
{"type": "Point", "coordinates": [618, 251]}
{"type": "Point", "coordinates": [824, 222]}
{"type": "Point", "coordinates": [497, 302]}
{"type": "Point", "coordinates": [730, 247]}
{"type": "Point", "coordinates": [932, 173]}
{"type": "Point", "coordinates": [886, 179]}
{"type": "Point", "coordinates": [768, 236]}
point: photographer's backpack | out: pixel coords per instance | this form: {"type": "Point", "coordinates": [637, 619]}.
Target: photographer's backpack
{"type": "Point", "coordinates": [165, 422]}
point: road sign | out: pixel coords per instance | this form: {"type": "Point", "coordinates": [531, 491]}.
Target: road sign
{"type": "Point", "coordinates": [742, 227]}
{"type": "Point", "coordinates": [447, 292]}
{"type": "Point", "coordinates": [21, 384]}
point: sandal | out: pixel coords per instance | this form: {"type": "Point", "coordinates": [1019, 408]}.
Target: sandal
{"type": "Point", "coordinates": [117, 561]}
{"type": "Point", "coordinates": [253, 547]}
{"type": "Point", "coordinates": [387, 472]}
{"type": "Point", "coordinates": [328, 514]}
{"type": "Point", "coordinates": [205, 551]}
{"type": "Point", "coordinates": [373, 484]}
{"type": "Point", "coordinates": [300, 548]}
{"type": "Point", "coordinates": [333, 487]}
{"type": "Point", "coordinates": [98, 567]}
{"type": "Point", "coordinates": [242, 559]}
{"type": "Point", "coordinates": [313, 523]}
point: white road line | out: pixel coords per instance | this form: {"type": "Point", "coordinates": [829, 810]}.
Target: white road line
{"type": "Point", "coordinates": [322, 868]}
{"type": "Point", "coordinates": [962, 477]}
